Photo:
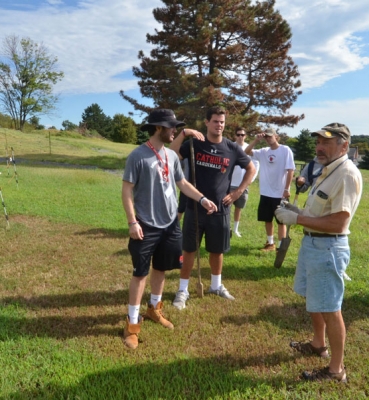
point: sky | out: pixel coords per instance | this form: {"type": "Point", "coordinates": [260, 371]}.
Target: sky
{"type": "Point", "coordinates": [97, 43]}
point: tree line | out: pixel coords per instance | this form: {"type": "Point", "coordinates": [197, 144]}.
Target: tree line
{"type": "Point", "coordinates": [224, 52]}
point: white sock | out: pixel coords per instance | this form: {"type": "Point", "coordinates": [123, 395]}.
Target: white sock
{"type": "Point", "coordinates": [183, 285]}
{"type": "Point", "coordinates": [133, 313]}
{"type": "Point", "coordinates": [236, 223]}
{"type": "Point", "coordinates": [154, 299]}
{"type": "Point", "coordinates": [216, 281]}
{"type": "Point", "coordinates": [271, 239]}
{"type": "Point", "coordinates": [279, 243]}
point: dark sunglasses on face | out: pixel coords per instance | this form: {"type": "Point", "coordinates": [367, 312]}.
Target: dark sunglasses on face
{"type": "Point", "coordinates": [240, 134]}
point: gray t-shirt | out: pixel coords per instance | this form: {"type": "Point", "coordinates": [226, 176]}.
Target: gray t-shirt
{"type": "Point", "coordinates": [155, 199]}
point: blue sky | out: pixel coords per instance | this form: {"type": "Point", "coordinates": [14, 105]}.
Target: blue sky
{"type": "Point", "coordinates": [97, 41]}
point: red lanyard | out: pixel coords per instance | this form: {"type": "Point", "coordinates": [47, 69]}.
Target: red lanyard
{"type": "Point", "coordinates": [165, 168]}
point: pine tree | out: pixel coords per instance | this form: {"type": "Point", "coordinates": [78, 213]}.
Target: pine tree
{"type": "Point", "coordinates": [93, 118]}
{"type": "Point", "coordinates": [305, 146]}
{"type": "Point", "coordinates": [220, 52]}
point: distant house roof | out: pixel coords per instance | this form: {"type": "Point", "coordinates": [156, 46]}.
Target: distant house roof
{"type": "Point", "coordinates": [353, 154]}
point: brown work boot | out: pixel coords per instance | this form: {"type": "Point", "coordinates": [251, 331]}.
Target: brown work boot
{"type": "Point", "coordinates": [130, 334]}
{"type": "Point", "coordinates": [156, 315]}
{"type": "Point", "coordinates": [268, 247]}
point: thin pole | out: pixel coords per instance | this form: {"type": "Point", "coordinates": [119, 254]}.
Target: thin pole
{"type": "Point", "coordinates": [6, 214]}
{"type": "Point", "coordinates": [15, 168]}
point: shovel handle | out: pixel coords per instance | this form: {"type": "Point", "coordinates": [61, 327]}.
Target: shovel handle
{"type": "Point", "coordinates": [298, 189]}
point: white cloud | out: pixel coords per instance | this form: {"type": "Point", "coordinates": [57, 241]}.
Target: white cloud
{"type": "Point", "coordinates": [97, 42]}
{"type": "Point", "coordinates": [352, 113]}
{"type": "Point", "coordinates": [326, 38]}
{"type": "Point", "coordinates": [94, 43]}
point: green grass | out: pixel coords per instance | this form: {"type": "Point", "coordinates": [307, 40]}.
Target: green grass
{"type": "Point", "coordinates": [64, 274]}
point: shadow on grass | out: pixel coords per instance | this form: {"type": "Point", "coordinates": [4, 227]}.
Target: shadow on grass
{"type": "Point", "coordinates": [84, 299]}
{"type": "Point", "coordinates": [293, 316]}
{"type": "Point", "coordinates": [221, 377]}
{"type": "Point", "coordinates": [102, 233]}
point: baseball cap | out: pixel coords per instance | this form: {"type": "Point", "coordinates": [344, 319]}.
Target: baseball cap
{"type": "Point", "coordinates": [270, 131]}
{"type": "Point", "coordinates": [162, 117]}
{"type": "Point", "coordinates": [333, 130]}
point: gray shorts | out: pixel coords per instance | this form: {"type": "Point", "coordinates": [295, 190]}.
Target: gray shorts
{"type": "Point", "coordinates": [214, 227]}
{"type": "Point", "coordinates": [242, 200]}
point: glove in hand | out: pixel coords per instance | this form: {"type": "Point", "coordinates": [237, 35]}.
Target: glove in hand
{"type": "Point", "coordinates": [287, 217]}
{"type": "Point", "coordinates": [288, 206]}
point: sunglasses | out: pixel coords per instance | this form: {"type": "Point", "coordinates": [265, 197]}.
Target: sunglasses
{"type": "Point", "coordinates": [240, 134]}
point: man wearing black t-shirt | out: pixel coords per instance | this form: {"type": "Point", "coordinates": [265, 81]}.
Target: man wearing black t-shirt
{"type": "Point", "coordinates": [215, 159]}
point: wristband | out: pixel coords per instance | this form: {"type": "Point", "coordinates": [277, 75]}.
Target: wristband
{"type": "Point", "coordinates": [286, 190]}
{"type": "Point", "coordinates": [202, 199]}
{"type": "Point", "coordinates": [183, 132]}
{"type": "Point", "coordinates": [132, 223]}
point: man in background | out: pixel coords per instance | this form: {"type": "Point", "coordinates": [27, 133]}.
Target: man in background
{"type": "Point", "coordinates": [309, 175]}
{"type": "Point", "coordinates": [237, 176]}
{"type": "Point", "coordinates": [275, 177]}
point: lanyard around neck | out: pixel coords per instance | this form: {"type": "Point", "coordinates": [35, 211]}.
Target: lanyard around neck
{"type": "Point", "coordinates": [313, 190]}
{"type": "Point", "coordinates": [165, 165]}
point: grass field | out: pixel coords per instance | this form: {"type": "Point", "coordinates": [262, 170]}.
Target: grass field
{"type": "Point", "coordinates": [64, 274]}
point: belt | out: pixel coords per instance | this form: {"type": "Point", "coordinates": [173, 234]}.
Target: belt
{"type": "Point", "coordinates": [316, 234]}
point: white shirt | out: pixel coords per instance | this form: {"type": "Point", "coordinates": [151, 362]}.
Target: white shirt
{"type": "Point", "coordinates": [273, 169]}
{"type": "Point", "coordinates": [239, 173]}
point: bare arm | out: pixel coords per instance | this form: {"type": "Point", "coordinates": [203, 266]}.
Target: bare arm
{"type": "Point", "coordinates": [177, 142]}
{"type": "Point", "coordinates": [190, 191]}
{"type": "Point", "coordinates": [259, 137]}
{"type": "Point", "coordinates": [287, 188]}
{"type": "Point", "coordinates": [333, 223]}
{"type": "Point", "coordinates": [135, 230]}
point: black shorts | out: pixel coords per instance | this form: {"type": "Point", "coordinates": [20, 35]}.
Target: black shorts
{"type": "Point", "coordinates": [216, 230]}
{"type": "Point", "coordinates": [267, 206]}
{"type": "Point", "coordinates": [164, 246]}
{"type": "Point", "coordinates": [182, 202]}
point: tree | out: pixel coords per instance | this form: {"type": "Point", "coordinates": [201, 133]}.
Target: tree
{"type": "Point", "coordinates": [35, 122]}
{"type": "Point", "coordinates": [305, 146]}
{"type": "Point", "coordinates": [364, 163]}
{"type": "Point", "coordinates": [69, 126]}
{"type": "Point", "coordinates": [124, 129]}
{"type": "Point", "coordinates": [223, 52]}
{"type": "Point", "coordinates": [27, 79]}
{"type": "Point", "coordinates": [142, 137]}
{"type": "Point", "coordinates": [94, 118]}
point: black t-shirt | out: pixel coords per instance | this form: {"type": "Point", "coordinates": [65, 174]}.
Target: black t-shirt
{"type": "Point", "coordinates": [214, 164]}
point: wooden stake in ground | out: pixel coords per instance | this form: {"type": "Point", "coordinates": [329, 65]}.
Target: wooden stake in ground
{"type": "Point", "coordinates": [199, 286]}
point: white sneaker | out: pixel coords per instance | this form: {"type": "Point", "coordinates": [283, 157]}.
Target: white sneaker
{"type": "Point", "coordinates": [237, 234]}
{"type": "Point", "coordinates": [179, 301]}
{"type": "Point", "coordinates": [222, 292]}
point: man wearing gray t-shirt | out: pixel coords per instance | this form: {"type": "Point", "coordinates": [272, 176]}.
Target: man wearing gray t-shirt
{"type": "Point", "coordinates": [150, 201]}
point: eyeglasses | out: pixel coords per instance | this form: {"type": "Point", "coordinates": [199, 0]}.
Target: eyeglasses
{"type": "Point", "coordinates": [240, 134]}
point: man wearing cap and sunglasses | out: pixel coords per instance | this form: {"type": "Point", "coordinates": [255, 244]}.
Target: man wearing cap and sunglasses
{"type": "Point", "coordinates": [325, 253]}
{"type": "Point", "coordinates": [237, 176]}
{"type": "Point", "coordinates": [149, 199]}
